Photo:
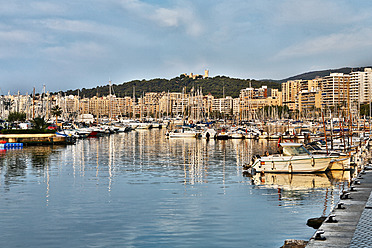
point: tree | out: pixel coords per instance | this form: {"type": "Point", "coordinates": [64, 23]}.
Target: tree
{"type": "Point", "coordinates": [56, 111]}
{"type": "Point", "coordinates": [16, 116]}
{"type": "Point", "coordinates": [39, 123]}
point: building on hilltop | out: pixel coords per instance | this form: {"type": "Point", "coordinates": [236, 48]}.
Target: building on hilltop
{"type": "Point", "coordinates": [206, 75]}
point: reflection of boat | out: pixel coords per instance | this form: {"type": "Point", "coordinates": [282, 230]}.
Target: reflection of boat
{"type": "Point", "coordinates": [292, 181]}
{"type": "Point", "coordinates": [339, 175]}
{"type": "Point", "coordinates": [294, 158]}
{"type": "Point", "coordinates": [340, 163]}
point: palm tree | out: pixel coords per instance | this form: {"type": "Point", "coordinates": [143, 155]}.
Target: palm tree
{"type": "Point", "coordinates": [39, 123]}
{"type": "Point", "coordinates": [56, 111]}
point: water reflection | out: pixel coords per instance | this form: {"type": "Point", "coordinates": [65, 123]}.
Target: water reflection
{"type": "Point", "coordinates": [141, 189]}
{"type": "Point", "coordinates": [302, 181]}
{"type": "Point", "coordinates": [196, 161]}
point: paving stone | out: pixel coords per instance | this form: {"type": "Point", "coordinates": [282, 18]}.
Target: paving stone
{"type": "Point", "coordinates": [369, 202]}
{"type": "Point", "coordinates": [363, 233]}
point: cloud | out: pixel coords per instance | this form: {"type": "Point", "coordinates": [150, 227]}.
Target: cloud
{"type": "Point", "coordinates": [31, 8]}
{"type": "Point", "coordinates": [17, 43]}
{"type": "Point", "coordinates": [18, 36]}
{"type": "Point", "coordinates": [315, 12]}
{"type": "Point", "coordinates": [180, 16]}
{"type": "Point", "coordinates": [78, 51]}
{"type": "Point", "coordinates": [78, 26]}
{"type": "Point", "coordinates": [337, 42]}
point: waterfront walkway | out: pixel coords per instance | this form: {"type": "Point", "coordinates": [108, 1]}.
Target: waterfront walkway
{"type": "Point", "coordinates": [350, 223]}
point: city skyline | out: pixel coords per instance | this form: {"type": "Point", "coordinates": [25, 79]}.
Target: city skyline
{"type": "Point", "coordinates": [67, 45]}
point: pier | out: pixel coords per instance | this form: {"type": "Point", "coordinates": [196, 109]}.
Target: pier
{"type": "Point", "coordinates": [34, 139]}
{"type": "Point", "coordinates": [349, 223]}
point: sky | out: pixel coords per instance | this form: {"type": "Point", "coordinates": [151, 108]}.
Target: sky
{"type": "Point", "coordinates": [83, 44]}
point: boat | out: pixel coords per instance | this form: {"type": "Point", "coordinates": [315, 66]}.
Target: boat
{"type": "Point", "coordinates": [183, 133]}
{"type": "Point", "coordinates": [236, 133]}
{"type": "Point", "coordinates": [263, 135]}
{"type": "Point", "coordinates": [295, 158]}
{"type": "Point", "coordinates": [340, 160]}
{"type": "Point", "coordinates": [222, 135]}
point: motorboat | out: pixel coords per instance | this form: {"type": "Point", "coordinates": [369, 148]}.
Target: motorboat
{"type": "Point", "coordinates": [263, 135]}
{"type": "Point", "coordinates": [183, 133]}
{"type": "Point", "coordinates": [222, 135]}
{"type": "Point", "coordinates": [340, 160]}
{"type": "Point", "coordinates": [236, 135]}
{"type": "Point", "coordinates": [294, 158]}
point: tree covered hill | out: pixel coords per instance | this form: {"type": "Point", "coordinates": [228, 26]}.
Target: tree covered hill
{"type": "Point", "coordinates": [216, 86]}
{"type": "Point", "coordinates": [323, 73]}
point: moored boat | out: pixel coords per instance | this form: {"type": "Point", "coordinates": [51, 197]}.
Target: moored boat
{"type": "Point", "coordinates": [295, 158]}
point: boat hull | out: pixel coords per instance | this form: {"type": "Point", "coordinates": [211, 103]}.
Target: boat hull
{"type": "Point", "coordinates": [290, 164]}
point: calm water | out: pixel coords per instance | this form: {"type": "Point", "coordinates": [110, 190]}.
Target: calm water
{"type": "Point", "coordinates": [139, 189]}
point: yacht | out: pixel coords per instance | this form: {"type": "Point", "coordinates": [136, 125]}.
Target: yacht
{"type": "Point", "coordinates": [295, 158]}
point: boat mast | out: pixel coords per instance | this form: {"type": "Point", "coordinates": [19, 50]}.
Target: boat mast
{"type": "Point", "coordinates": [134, 100]}
{"type": "Point", "coordinates": [33, 104]}
{"type": "Point", "coordinates": [110, 108]}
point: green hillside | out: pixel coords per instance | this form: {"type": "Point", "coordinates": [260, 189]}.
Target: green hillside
{"type": "Point", "coordinates": [215, 86]}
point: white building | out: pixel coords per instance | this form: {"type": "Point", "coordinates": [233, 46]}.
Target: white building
{"type": "Point", "coordinates": [361, 86]}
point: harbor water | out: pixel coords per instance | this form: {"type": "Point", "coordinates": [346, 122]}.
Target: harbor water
{"type": "Point", "coordinates": [140, 189]}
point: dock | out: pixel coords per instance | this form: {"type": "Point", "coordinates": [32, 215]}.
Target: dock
{"type": "Point", "coordinates": [350, 223]}
{"type": "Point", "coordinates": [35, 139]}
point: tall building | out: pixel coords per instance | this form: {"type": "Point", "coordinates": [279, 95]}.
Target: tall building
{"type": "Point", "coordinates": [223, 105]}
{"type": "Point", "coordinates": [310, 96]}
{"type": "Point", "coordinates": [252, 99]}
{"type": "Point", "coordinates": [335, 90]}
{"type": "Point", "coordinates": [361, 86]}
{"type": "Point", "coordinates": [290, 90]}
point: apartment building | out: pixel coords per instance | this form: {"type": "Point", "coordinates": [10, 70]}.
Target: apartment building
{"type": "Point", "coordinates": [223, 105]}
{"type": "Point", "coordinates": [361, 86]}
{"type": "Point", "coordinates": [276, 98]}
{"type": "Point", "coordinates": [310, 96]}
{"type": "Point", "coordinates": [290, 90]}
{"type": "Point", "coordinates": [335, 93]}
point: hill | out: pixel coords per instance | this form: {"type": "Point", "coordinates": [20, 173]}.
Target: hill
{"type": "Point", "coordinates": [216, 86]}
{"type": "Point", "coordinates": [322, 73]}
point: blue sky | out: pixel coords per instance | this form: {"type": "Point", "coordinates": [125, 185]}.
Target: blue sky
{"type": "Point", "coordinates": [82, 44]}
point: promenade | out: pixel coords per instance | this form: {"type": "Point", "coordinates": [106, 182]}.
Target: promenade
{"type": "Point", "coordinates": [350, 222]}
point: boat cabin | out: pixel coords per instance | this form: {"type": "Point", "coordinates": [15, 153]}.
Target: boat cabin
{"type": "Point", "coordinates": [293, 149]}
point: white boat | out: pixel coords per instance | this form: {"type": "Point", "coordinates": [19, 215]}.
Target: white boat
{"type": "Point", "coordinates": [183, 133]}
{"type": "Point", "coordinates": [340, 163]}
{"type": "Point", "coordinates": [143, 125]}
{"type": "Point", "coordinates": [263, 135]}
{"type": "Point", "coordinates": [236, 135]}
{"type": "Point", "coordinates": [340, 160]}
{"type": "Point", "coordinates": [294, 159]}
